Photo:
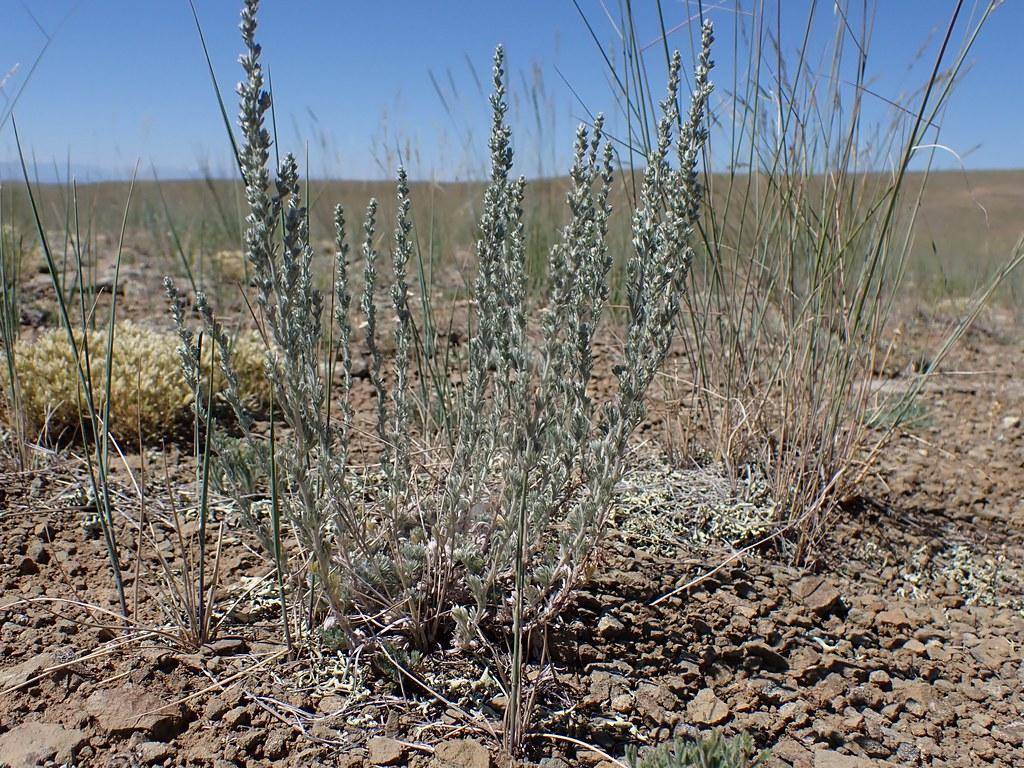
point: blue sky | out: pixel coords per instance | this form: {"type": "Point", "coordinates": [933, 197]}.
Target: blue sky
{"type": "Point", "coordinates": [354, 81]}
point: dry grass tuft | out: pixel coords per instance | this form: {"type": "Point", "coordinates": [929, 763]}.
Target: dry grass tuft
{"type": "Point", "coordinates": [148, 392]}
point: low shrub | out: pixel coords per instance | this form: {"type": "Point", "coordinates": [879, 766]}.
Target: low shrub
{"type": "Point", "coordinates": [228, 266]}
{"type": "Point", "coordinates": [484, 524]}
{"type": "Point", "coordinates": [147, 389]}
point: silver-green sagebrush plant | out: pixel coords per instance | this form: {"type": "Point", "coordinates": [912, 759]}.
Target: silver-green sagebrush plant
{"type": "Point", "coordinates": [486, 529]}
{"type": "Point", "coordinates": [711, 751]}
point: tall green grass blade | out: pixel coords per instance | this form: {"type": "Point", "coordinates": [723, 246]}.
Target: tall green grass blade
{"type": "Point", "coordinates": [101, 493]}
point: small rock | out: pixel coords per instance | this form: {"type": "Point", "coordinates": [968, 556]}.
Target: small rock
{"type": "Point", "coordinates": [44, 531]}
{"type": "Point", "coordinates": [792, 752]}
{"type": "Point", "coordinates": [382, 750]}
{"type": "Point", "coordinates": [609, 627]}
{"type": "Point", "coordinates": [238, 717]}
{"type": "Point", "coordinates": [461, 753]}
{"type": "Point", "coordinates": [880, 678]}
{"type": "Point", "coordinates": [828, 729]}
{"type": "Point", "coordinates": [868, 694]}
{"type": "Point", "coordinates": [803, 660]}
{"type": "Point", "coordinates": [330, 704]}
{"type": "Point", "coordinates": [215, 708]}
{"type": "Point", "coordinates": [32, 744]}
{"type": "Point", "coordinates": [827, 758]}
{"type": "Point", "coordinates": [27, 567]}
{"type": "Point", "coordinates": [37, 552]}
{"type": "Point", "coordinates": [622, 703]}
{"type": "Point", "coordinates": [937, 652]}
{"type": "Point", "coordinates": [817, 593]}
{"type": "Point", "coordinates": [229, 646]}
{"type": "Point", "coordinates": [707, 709]}
{"type": "Point", "coordinates": [122, 711]}
{"type": "Point", "coordinates": [893, 618]}
{"type": "Point", "coordinates": [907, 754]}
{"type": "Point", "coordinates": [275, 745]}
{"type": "Point", "coordinates": [872, 747]}
{"type": "Point", "coordinates": [105, 635]}
{"type": "Point", "coordinates": [853, 722]}
{"type": "Point", "coordinates": [914, 646]}
{"type": "Point", "coordinates": [23, 673]}
{"type": "Point", "coordinates": [207, 749]}
{"type": "Point", "coordinates": [654, 701]}
{"type": "Point", "coordinates": [761, 655]}
{"type": "Point", "coordinates": [150, 752]}
{"type": "Point", "coordinates": [604, 686]}
{"type": "Point", "coordinates": [1012, 734]}
{"type": "Point", "coordinates": [993, 651]}
{"type": "Point", "coordinates": [921, 692]}
{"type": "Point", "coordinates": [1011, 422]}
{"type": "Point", "coordinates": [795, 713]}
